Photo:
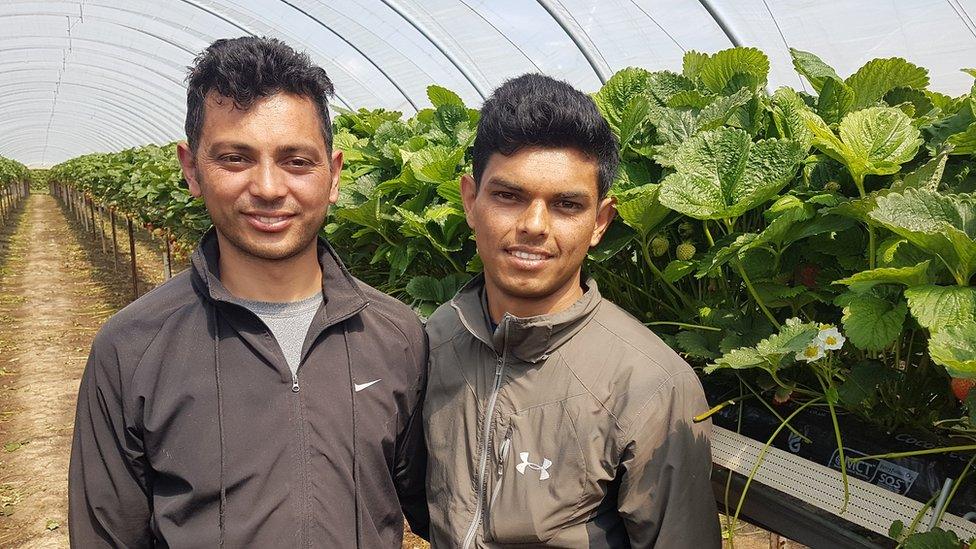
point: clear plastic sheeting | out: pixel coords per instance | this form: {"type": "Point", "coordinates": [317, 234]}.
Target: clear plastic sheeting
{"type": "Point", "coordinates": [101, 75]}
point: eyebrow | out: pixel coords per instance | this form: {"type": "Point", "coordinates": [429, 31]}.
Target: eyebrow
{"type": "Point", "coordinates": [241, 146]}
{"type": "Point", "coordinates": [499, 182]}
{"type": "Point", "coordinates": [516, 188]}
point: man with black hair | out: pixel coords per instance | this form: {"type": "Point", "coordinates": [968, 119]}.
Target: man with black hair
{"type": "Point", "coordinates": [264, 397]}
{"type": "Point", "coordinates": [553, 418]}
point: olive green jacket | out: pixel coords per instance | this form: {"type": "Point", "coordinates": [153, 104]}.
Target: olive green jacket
{"type": "Point", "coordinates": [566, 430]}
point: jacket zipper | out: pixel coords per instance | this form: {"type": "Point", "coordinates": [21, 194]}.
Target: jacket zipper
{"type": "Point", "coordinates": [486, 444]}
{"type": "Point", "coordinates": [303, 465]}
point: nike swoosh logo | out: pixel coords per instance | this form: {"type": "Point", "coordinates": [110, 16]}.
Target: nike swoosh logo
{"type": "Point", "coordinates": [360, 386]}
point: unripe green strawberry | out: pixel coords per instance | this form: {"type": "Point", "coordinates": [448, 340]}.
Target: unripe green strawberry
{"type": "Point", "coordinates": [659, 246]}
{"type": "Point", "coordinates": [686, 229]}
{"type": "Point", "coordinates": [685, 251]}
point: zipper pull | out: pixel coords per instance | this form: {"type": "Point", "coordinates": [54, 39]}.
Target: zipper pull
{"type": "Point", "coordinates": [503, 451]}
{"type": "Point", "coordinates": [294, 385]}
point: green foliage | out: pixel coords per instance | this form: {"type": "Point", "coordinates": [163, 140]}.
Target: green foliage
{"type": "Point", "coordinates": [873, 141]}
{"type": "Point", "coordinates": [937, 306]}
{"type": "Point", "coordinates": [145, 184]}
{"type": "Point", "coordinates": [722, 174]}
{"type": "Point", "coordinates": [770, 353]}
{"type": "Point", "coordinates": [12, 171]}
{"type": "Point", "coordinates": [872, 322]}
{"type": "Point", "coordinates": [955, 348]}
{"type": "Point", "coordinates": [940, 224]}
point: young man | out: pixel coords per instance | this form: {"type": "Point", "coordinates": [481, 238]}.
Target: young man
{"type": "Point", "coordinates": [264, 397]}
{"type": "Point", "coordinates": [553, 418]}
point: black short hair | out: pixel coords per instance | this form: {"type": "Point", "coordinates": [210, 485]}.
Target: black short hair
{"type": "Point", "coordinates": [534, 110]}
{"type": "Point", "coordinates": [249, 68]}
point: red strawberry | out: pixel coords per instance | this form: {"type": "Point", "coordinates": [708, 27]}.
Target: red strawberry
{"type": "Point", "coordinates": [961, 387]}
{"type": "Point", "coordinates": [806, 274]}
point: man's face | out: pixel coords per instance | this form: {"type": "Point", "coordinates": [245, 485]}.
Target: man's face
{"type": "Point", "coordinates": [535, 216]}
{"type": "Point", "coordinates": [264, 174]}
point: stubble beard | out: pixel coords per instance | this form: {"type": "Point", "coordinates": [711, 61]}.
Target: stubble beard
{"type": "Point", "coordinates": [301, 236]}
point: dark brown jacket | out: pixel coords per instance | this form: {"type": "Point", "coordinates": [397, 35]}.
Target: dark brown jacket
{"type": "Point", "coordinates": [566, 430]}
{"type": "Point", "coordinates": [191, 431]}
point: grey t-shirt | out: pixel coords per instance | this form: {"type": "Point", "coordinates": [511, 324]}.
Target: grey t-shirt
{"type": "Point", "coordinates": [288, 322]}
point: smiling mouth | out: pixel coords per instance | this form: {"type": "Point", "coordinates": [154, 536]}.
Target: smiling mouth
{"type": "Point", "coordinates": [269, 223]}
{"type": "Point", "coordinates": [528, 255]}
{"type": "Point", "coordinates": [270, 220]}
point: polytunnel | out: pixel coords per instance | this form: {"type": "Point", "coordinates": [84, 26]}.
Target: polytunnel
{"type": "Point", "coordinates": [726, 299]}
{"type": "Point", "coordinates": [94, 75]}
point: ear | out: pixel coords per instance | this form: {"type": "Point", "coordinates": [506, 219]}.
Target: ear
{"type": "Point", "coordinates": [605, 213]}
{"type": "Point", "coordinates": [469, 192]}
{"type": "Point", "coordinates": [336, 167]}
{"type": "Point", "coordinates": [188, 164]}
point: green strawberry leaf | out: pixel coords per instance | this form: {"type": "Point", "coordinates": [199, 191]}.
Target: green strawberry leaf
{"type": "Point", "coordinates": [954, 347]}
{"type": "Point", "coordinates": [871, 322]}
{"type": "Point", "coordinates": [877, 140]}
{"type": "Point", "coordinates": [879, 76]}
{"type": "Point", "coordinates": [722, 174]}
{"type": "Point", "coordinates": [640, 208]}
{"type": "Point", "coordinates": [793, 336]}
{"type": "Point", "coordinates": [728, 70]}
{"type": "Point", "coordinates": [813, 68]}
{"type": "Point", "coordinates": [935, 307]}
{"type": "Point", "coordinates": [613, 97]}
{"type": "Point", "coordinates": [942, 225]}
{"type": "Point", "coordinates": [692, 63]}
{"type": "Point", "coordinates": [678, 269]}
{"type": "Point", "coordinates": [440, 96]}
{"type": "Point", "coordinates": [863, 281]}
{"type": "Point", "coordinates": [790, 124]}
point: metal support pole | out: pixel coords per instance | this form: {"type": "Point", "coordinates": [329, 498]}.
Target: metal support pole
{"type": "Point", "coordinates": [132, 255]}
{"type": "Point", "coordinates": [445, 51]}
{"type": "Point", "coordinates": [721, 22]}
{"type": "Point", "coordinates": [101, 226]}
{"type": "Point", "coordinates": [167, 258]}
{"type": "Point", "coordinates": [115, 241]}
{"type": "Point", "coordinates": [582, 44]}
{"type": "Point", "coordinates": [3, 211]}
{"type": "Point", "coordinates": [91, 207]}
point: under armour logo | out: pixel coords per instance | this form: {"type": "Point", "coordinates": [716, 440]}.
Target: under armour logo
{"type": "Point", "coordinates": [543, 469]}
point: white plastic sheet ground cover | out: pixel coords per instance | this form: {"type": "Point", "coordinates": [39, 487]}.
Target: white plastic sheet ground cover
{"type": "Point", "coordinates": [102, 75]}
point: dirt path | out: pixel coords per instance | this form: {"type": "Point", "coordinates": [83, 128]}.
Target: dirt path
{"type": "Point", "coordinates": [56, 289]}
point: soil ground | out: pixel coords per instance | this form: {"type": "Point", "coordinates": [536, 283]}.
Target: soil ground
{"type": "Point", "coordinates": [57, 287]}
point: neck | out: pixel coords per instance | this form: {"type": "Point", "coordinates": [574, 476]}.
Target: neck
{"type": "Point", "coordinates": [275, 281]}
{"type": "Point", "coordinates": [501, 302]}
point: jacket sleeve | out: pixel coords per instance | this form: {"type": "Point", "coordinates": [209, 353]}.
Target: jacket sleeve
{"type": "Point", "coordinates": [666, 498]}
{"type": "Point", "coordinates": [108, 501]}
{"type": "Point", "coordinates": [410, 470]}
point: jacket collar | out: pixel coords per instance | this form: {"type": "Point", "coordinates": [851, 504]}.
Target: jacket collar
{"type": "Point", "coordinates": [531, 339]}
{"type": "Point", "coordinates": [341, 293]}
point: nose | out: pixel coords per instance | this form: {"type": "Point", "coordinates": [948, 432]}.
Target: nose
{"type": "Point", "coordinates": [267, 182]}
{"type": "Point", "coordinates": [534, 220]}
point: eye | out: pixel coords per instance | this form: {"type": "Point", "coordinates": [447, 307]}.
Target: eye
{"type": "Point", "coordinates": [569, 205]}
{"type": "Point", "coordinates": [505, 195]}
{"type": "Point", "coordinates": [299, 163]}
{"type": "Point", "coordinates": [232, 158]}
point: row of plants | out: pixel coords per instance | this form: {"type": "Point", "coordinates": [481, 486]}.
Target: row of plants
{"type": "Point", "coordinates": [815, 247]}
{"type": "Point", "coordinates": [144, 184]}
{"type": "Point", "coordinates": [14, 186]}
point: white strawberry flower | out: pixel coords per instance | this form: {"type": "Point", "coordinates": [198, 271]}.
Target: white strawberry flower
{"type": "Point", "coordinates": [830, 338]}
{"type": "Point", "coordinates": [812, 352]}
